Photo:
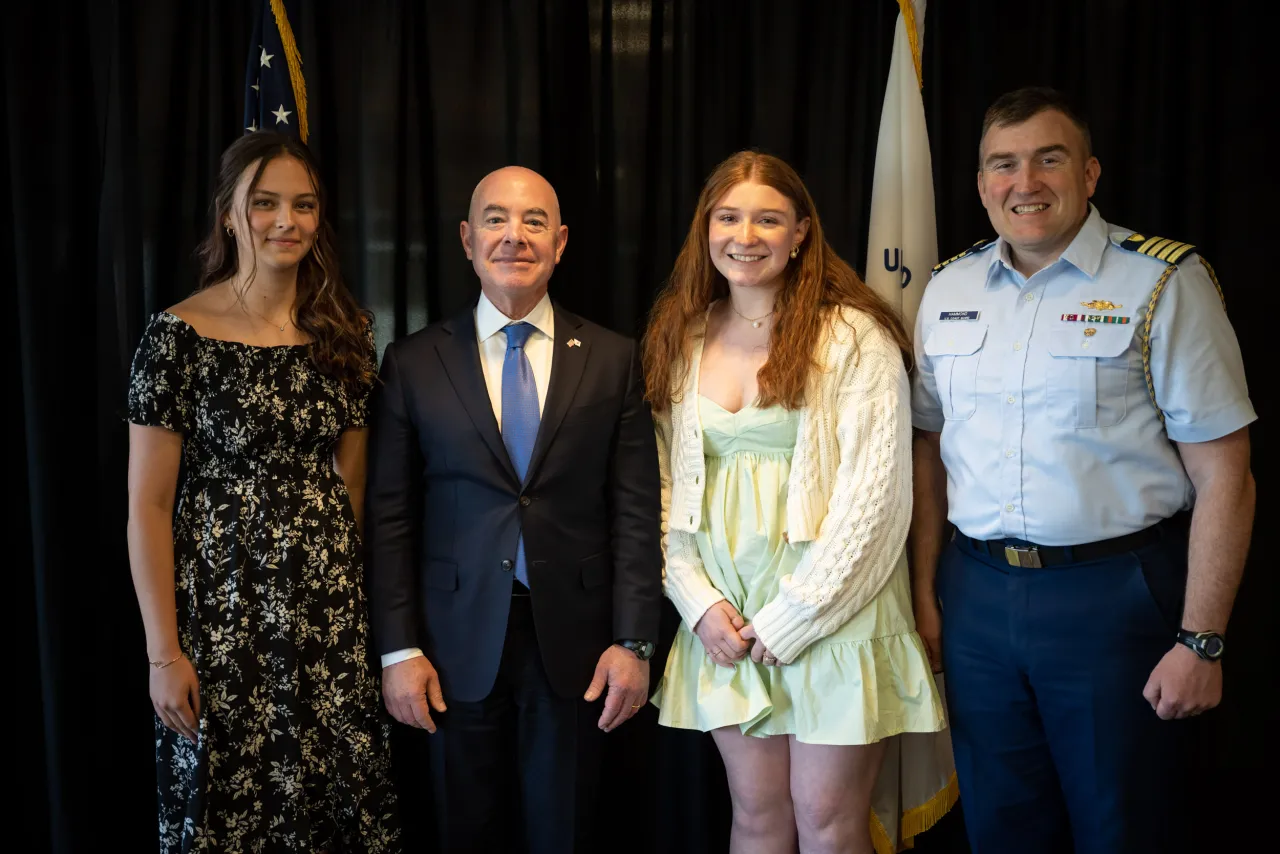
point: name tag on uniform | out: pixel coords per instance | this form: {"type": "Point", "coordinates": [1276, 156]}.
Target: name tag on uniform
{"type": "Point", "coordinates": [959, 315]}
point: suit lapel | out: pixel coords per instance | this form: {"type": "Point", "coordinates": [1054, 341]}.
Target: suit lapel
{"type": "Point", "coordinates": [460, 355]}
{"type": "Point", "coordinates": [567, 363]}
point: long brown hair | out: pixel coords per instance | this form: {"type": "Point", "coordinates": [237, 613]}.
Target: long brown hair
{"type": "Point", "coordinates": [816, 283]}
{"type": "Point", "coordinates": [324, 308]}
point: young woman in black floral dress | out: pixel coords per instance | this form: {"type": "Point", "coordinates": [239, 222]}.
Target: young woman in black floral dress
{"type": "Point", "coordinates": [247, 405]}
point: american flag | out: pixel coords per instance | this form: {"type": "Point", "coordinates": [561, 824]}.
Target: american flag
{"type": "Point", "coordinates": [275, 94]}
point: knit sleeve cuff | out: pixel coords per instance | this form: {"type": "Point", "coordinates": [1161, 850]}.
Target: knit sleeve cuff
{"type": "Point", "coordinates": [784, 631]}
{"type": "Point", "coordinates": [691, 593]}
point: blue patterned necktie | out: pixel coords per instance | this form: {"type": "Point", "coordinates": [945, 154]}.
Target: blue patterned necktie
{"type": "Point", "coordinates": [520, 416]}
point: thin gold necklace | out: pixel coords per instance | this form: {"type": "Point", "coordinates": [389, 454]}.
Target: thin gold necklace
{"type": "Point", "coordinates": [754, 321]}
{"type": "Point", "coordinates": [273, 323]}
{"type": "Point", "coordinates": [279, 326]}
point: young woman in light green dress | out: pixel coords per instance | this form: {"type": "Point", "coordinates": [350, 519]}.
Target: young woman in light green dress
{"type": "Point", "coordinates": [779, 386]}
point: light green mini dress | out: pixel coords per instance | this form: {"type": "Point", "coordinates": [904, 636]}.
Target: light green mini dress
{"type": "Point", "coordinates": [867, 681]}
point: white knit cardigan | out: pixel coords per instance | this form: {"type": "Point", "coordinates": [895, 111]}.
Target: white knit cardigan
{"type": "Point", "coordinates": [848, 494]}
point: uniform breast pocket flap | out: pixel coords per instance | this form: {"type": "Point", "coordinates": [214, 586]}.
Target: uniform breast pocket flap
{"type": "Point", "coordinates": [1090, 342]}
{"type": "Point", "coordinates": [954, 349]}
{"type": "Point", "coordinates": [1088, 382]}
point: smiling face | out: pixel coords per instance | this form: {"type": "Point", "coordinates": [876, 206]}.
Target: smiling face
{"type": "Point", "coordinates": [275, 222]}
{"type": "Point", "coordinates": [513, 235]}
{"type": "Point", "coordinates": [751, 233]}
{"type": "Point", "coordinates": [1035, 180]}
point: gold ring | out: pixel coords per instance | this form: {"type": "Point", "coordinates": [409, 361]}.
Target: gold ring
{"type": "Point", "coordinates": [637, 705]}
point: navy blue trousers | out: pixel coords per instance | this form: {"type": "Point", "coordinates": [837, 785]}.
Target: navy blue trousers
{"type": "Point", "coordinates": [1055, 746]}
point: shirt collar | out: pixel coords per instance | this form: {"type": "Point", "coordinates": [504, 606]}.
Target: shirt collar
{"type": "Point", "coordinates": [490, 321]}
{"type": "Point", "coordinates": [1084, 252]}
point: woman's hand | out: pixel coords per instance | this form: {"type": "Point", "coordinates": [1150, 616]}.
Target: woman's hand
{"type": "Point", "coordinates": [759, 652]}
{"type": "Point", "coordinates": [718, 631]}
{"type": "Point", "coordinates": [929, 627]}
{"type": "Point", "coordinates": [175, 695]}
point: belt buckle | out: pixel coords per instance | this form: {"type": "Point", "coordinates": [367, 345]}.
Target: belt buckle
{"type": "Point", "coordinates": [1024, 556]}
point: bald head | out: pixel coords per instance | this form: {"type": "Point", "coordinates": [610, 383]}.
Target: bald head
{"type": "Point", "coordinates": [514, 237]}
{"type": "Point", "coordinates": [508, 178]}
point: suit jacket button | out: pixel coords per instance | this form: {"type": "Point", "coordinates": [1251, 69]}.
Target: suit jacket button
{"type": "Point", "coordinates": [507, 565]}
{"type": "Point", "coordinates": [525, 501]}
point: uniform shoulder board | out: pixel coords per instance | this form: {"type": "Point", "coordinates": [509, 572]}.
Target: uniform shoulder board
{"type": "Point", "coordinates": [1170, 252]}
{"type": "Point", "coordinates": [1160, 248]}
{"type": "Point", "coordinates": [972, 249]}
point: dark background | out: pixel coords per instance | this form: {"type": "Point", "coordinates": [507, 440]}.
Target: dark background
{"type": "Point", "coordinates": [115, 113]}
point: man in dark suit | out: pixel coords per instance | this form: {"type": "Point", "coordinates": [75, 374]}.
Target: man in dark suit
{"type": "Point", "coordinates": [514, 565]}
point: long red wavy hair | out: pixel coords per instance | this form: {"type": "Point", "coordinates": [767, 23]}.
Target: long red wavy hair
{"type": "Point", "coordinates": [816, 282]}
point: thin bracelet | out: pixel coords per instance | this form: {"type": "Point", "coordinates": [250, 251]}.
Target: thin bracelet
{"type": "Point", "coordinates": [161, 666]}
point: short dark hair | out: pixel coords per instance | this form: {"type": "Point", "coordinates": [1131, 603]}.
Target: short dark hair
{"type": "Point", "coordinates": [1018, 106]}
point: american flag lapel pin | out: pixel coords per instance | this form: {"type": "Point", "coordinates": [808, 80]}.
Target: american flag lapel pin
{"type": "Point", "coordinates": [574, 342]}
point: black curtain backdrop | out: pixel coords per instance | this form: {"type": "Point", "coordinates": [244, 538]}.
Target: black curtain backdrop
{"type": "Point", "coordinates": [115, 113]}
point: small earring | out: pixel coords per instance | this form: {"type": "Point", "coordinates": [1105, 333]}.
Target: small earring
{"type": "Point", "coordinates": [795, 250]}
{"type": "Point", "coordinates": [231, 232]}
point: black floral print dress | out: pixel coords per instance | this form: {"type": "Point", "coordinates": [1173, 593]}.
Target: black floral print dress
{"type": "Point", "coordinates": [293, 745]}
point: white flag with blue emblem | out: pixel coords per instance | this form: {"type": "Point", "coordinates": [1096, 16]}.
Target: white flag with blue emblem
{"type": "Point", "coordinates": [917, 784]}
{"type": "Point", "coordinates": [902, 246]}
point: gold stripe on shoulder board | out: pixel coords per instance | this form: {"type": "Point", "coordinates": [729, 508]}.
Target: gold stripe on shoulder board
{"type": "Point", "coordinates": [1160, 248]}
{"type": "Point", "coordinates": [972, 249]}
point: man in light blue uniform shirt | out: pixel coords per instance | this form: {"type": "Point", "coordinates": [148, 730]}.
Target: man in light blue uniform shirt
{"type": "Point", "coordinates": [1099, 540]}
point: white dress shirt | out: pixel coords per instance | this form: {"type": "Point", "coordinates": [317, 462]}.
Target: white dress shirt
{"type": "Point", "coordinates": [491, 337]}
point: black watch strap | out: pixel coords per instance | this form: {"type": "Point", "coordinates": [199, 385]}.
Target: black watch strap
{"type": "Point", "coordinates": [1209, 646]}
{"type": "Point", "coordinates": [642, 649]}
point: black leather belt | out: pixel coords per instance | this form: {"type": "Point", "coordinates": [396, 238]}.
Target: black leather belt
{"type": "Point", "coordinates": [1033, 556]}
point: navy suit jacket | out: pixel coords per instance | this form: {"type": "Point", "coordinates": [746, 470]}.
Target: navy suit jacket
{"type": "Point", "coordinates": [444, 508]}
